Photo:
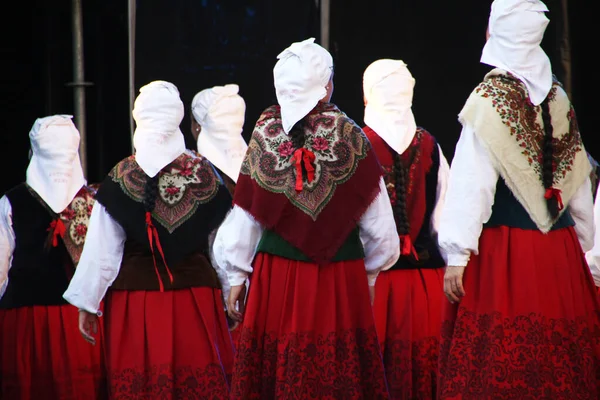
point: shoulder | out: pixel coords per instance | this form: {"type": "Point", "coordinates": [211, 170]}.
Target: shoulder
{"type": "Point", "coordinates": [126, 164]}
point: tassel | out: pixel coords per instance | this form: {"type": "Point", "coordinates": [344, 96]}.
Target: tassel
{"type": "Point", "coordinates": [406, 247]}
{"type": "Point", "coordinates": [553, 192]}
{"type": "Point", "coordinates": [153, 235]}
{"type": "Point", "coordinates": [308, 157]}
{"type": "Point", "coordinates": [57, 228]}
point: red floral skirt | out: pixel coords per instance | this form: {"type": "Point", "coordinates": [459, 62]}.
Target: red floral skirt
{"type": "Point", "coordinates": [529, 325]}
{"type": "Point", "coordinates": [308, 333]}
{"type": "Point", "coordinates": [43, 356]}
{"type": "Point", "coordinates": [167, 345]}
{"type": "Point", "coordinates": [408, 310]}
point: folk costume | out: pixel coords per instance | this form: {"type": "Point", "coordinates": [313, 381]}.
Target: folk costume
{"type": "Point", "coordinates": [220, 112]}
{"type": "Point", "coordinates": [43, 225]}
{"type": "Point", "coordinates": [593, 256]}
{"type": "Point", "coordinates": [166, 333]}
{"type": "Point", "coordinates": [311, 226]}
{"type": "Point", "coordinates": [518, 214]}
{"type": "Point", "coordinates": [408, 296]}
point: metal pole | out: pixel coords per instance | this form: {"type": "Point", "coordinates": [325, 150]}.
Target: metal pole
{"type": "Point", "coordinates": [131, 35]}
{"type": "Point", "coordinates": [325, 8]}
{"type": "Point", "coordinates": [565, 48]}
{"type": "Point", "coordinates": [79, 83]}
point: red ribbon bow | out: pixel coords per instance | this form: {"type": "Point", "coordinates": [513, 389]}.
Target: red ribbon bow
{"type": "Point", "coordinates": [153, 234]}
{"type": "Point", "coordinates": [57, 227]}
{"type": "Point", "coordinates": [553, 192]}
{"type": "Point", "coordinates": [308, 157]}
{"type": "Point", "coordinates": [406, 247]}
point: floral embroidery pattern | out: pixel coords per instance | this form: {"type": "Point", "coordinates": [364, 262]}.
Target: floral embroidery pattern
{"type": "Point", "coordinates": [340, 365]}
{"type": "Point", "coordinates": [76, 218]}
{"type": "Point", "coordinates": [183, 185]}
{"type": "Point", "coordinates": [488, 356]}
{"type": "Point", "coordinates": [411, 368]}
{"type": "Point", "coordinates": [166, 382]}
{"type": "Point", "coordinates": [510, 99]}
{"type": "Point", "coordinates": [337, 142]}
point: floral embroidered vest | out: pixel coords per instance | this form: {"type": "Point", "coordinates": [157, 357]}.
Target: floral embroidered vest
{"type": "Point", "coordinates": [422, 160]}
{"type": "Point", "coordinates": [48, 247]}
{"type": "Point", "coordinates": [510, 127]}
{"type": "Point", "coordinates": [191, 202]}
{"type": "Point", "coordinates": [315, 215]}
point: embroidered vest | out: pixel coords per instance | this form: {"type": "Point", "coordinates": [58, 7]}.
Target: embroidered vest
{"type": "Point", "coordinates": [421, 159]}
{"type": "Point", "coordinates": [511, 128]}
{"type": "Point", "coordinates": [191, 202]}
{"type": "Point", "coordinates": [43, 263]}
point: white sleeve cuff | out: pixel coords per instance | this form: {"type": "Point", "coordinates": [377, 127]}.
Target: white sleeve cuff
{"type": "Point", "coordinates": [238, 278]}
{"type": "Point", "coordinates": [458, 260]}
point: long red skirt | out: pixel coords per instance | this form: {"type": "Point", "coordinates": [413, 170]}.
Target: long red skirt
{"type": "Point", "coordinates": [408, 311]}
{"type": "Point", "coordinates": [308, 333]}
{"type": "Point", "coordinates": [529, 325]}
{"type": "Point", "coordinates": [43, 356]}
{"type": "Point", "coordinates": [167, 345]}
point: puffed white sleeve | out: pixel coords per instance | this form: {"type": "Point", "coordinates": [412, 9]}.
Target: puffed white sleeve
{"type": "Point", "coordinates": [581, 208]}
{"type": "Point", "coordinates": [379, 235]}
{"type": "Point", "coordinates": [593, 256]}
{"type": "Point", "coordinates": [7, 242]}
{"type": "Point", "coordinates": [236, 243]}
{"type": "Point", "coordinates": [100, 261]}
{"type": "Point", "coordinates": [440, 195]}
{"type": "Point", "coordinates": [469, 199]}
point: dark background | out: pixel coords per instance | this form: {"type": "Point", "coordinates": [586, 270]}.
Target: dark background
{"type": "Point", "coordinates": [201, 43]}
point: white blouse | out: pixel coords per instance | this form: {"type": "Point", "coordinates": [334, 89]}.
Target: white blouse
{"type": "Point", "coordinates": [470, 196]}
{"type": "Point", "coordinates": [593, 256]}
{"type": "Point", "coordinates": [238, 237]}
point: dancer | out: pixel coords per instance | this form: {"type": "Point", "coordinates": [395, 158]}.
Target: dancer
{"type": "Point", "coordinates": [217, 122]}
{"type": "Point", "coordinates": [166, 333]}
{"type": "Point", "coordinates": [522, 319]}
{"type": "Point", "coordinates": [43, 224]}
{"type": "Point", "coordinates": [408, 297]}
{"type": "Point", "coordinates": [313, 225]}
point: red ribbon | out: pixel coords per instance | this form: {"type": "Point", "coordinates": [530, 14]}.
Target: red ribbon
{"type": "Point", "coordinates": [552, 192]}
{"type": "Point", "coordinates": [406, 247]}
{"type": "Point", "coordinates": [57, 227]}
{"type": "Point", "coordinates": [153, 234]}
{"type": "Point", "coordinates": [308, 157]}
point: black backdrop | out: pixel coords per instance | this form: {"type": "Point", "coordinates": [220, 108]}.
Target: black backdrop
{"type": "Point", "coordinates": [201, 43]}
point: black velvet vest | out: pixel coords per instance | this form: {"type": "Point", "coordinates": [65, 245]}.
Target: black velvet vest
{"type": "Point", "coordinates": [507, 211]}
{"type": "Point", "coordinates": [425, 245]}
{"type": "Point", "coordinates": [40, 273]}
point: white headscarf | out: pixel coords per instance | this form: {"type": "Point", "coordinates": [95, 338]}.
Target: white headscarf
{"type": "Point", "coordinates": [516, 29]}
{"type": "Point", "coordinates": [301, 75]}
{"type": "Point", "coordinates": [157, 112]}
{"type": "Point", "coordinates": [220, 112]}
{"type": "Point", "coordinates": [54, 171]}
{"type": "Point", "coordinates": [388, 88]}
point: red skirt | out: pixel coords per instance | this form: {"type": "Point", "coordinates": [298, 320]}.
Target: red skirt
{"type": "Point", "coordinates": [167, 345]}
{"type": "Point", "coordinates": [308, 333]}
{"type": "Point", "coordinates": [43, 356]}
{"type": "Point", "coordinates": [408, 310]}
{"type": "Point", "coordinates": [529, 325]}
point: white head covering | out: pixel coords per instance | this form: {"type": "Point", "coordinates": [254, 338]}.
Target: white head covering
{"type": "Point", "coordinates": [220, 112]}
{"type": "Point", "coordinates": [516, 29]}
{"type": "Point", "coordinates": [54, 170]}
{"type": "Point", "coordinates": [157, 112]}
{"type": "Point", "coordinates": [301, 75]}
{"type": "Point", "coordinates": [388, 88]}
